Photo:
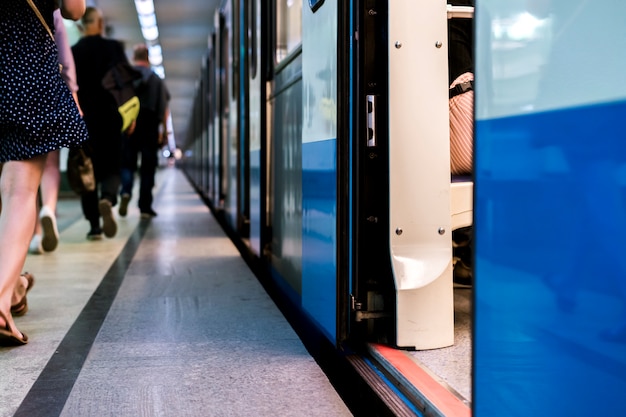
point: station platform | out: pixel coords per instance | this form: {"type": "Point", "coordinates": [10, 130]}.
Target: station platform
{"type": "Point", "coordinates": [164, 319]}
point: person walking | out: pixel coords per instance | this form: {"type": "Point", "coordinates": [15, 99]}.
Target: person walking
{"type": "Point", "coordinates": [94, 55]}
{"type": "Point", "coordinates": [46, 236]}
{"type": "Point", "coordinates": [461, 106]}
{"type": "Point", "coordinates": [147, 138]}
{"type": "Point", "coordinates": [37, 115]}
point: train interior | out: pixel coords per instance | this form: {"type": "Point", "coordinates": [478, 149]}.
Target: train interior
{"type": "Point", "coordinates": [418, 120]}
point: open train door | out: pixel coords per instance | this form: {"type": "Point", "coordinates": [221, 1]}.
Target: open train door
{"type": "Point", "coordinates": [256, 72]}
{"type": "Point", "coordinates": [233, 137]}
{"type": "Point", "coordinates": [402, 282]}
{"type": "Point", "coordinates": [221, 49]}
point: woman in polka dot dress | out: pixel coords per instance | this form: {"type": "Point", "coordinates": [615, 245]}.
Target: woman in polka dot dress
{"type": "Point", "coordinates": [37, 115]}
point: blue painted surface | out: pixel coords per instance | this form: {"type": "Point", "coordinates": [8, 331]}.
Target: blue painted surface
{"type": "Point", "coordinates": [550, 265]}
{"type": "Point", "coordinates": [319, 233]}
{"type": "Point", "coordinates": [351, 134]}
{"type": "Point", "coordinates": [550, 209]}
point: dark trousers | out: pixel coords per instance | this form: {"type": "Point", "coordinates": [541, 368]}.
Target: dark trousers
{"type": "Point", "coordinates": [147, 171]}
{"type": "Point", "coordinates": [108, 187]}
{"type": "Point", "coordinates": [105, 153]}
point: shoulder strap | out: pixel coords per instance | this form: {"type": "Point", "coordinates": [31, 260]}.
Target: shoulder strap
{"type": "Point", "coordinates": [43, 21]}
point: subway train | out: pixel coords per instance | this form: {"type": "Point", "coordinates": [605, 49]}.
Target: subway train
{"type": "Point", "coordinates": [320, 140]}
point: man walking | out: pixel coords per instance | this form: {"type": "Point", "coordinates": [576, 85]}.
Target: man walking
{"type": "Point", "coordinates": [94, 56]}
{"type": "Point", "coordinates": [148, 136]}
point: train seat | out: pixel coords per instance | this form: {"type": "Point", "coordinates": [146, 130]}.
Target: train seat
{"type": "Point", "coordinates": [461, 201]}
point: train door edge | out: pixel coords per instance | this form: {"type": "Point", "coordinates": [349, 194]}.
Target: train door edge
{"type": "Point", "coordinates": [372, 298]}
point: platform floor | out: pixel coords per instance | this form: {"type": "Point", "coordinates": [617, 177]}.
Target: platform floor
{"type": "Point", "coordinates": [165, 319]}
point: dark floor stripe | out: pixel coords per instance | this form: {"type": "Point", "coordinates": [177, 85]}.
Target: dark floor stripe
{"type": "Point", "coordinates": [49, 393]}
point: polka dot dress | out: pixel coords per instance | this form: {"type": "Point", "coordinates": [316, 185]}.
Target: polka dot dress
{"type": "Point", "coordinates": [37, 111]}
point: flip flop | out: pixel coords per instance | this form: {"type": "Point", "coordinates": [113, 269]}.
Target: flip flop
{"type": "Point", "coordinates": [9, 339]}
{"type": "Point", "coordinates": [21, 307]}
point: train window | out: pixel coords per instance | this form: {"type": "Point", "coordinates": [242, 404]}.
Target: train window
{"type": "Point", "coordinates": [288, 27]}
{"type": "Point", "coordinates": [234, 42]}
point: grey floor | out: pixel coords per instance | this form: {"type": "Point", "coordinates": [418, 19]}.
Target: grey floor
{"type": "Point", "coordinates": [165, 319]}
{"type": "Point", "coordinates": [452, 366]}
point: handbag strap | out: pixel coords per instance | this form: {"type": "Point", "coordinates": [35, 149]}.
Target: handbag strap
{"type": "Point", "coordinates": [43, 21]}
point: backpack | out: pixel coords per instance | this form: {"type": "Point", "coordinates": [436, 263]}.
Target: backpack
{"type": "Point", "coordinates": [120, 81]}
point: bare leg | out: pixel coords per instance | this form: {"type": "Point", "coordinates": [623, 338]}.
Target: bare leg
{"type": "Point", "coordinates": [35, 243]}
{"type": "Point", "coordinates": [50, 184]}
{"type": "Point", "coordinates": [20, 290]}
{"type": "Point", "coordinates": [18, 189]}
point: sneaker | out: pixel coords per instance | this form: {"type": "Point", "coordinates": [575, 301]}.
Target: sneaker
{"type": "Point", "coordinates": [124, 205]}
{"type": "Point", "coordinates": [148, 214]}
{"type": "Point", "coordinates": [35, 245]}
{"type": "Point", "coordinates": [109, 226]}
{"type": "Point", "coordinates": [50, 237]}
{"type": "Point", "coordinates": [94, 234]}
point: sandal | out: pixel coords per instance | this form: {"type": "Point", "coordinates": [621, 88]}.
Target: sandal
{"type": "Point", "coordinates": [21, 307]}
{"type": "Point", "coordinates": [7, 338]}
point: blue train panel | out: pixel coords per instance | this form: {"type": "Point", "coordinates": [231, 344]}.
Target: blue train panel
{"type": "Point", "coordinates": [319, 166]}
{"type": "Point", "coordinates": [550, 209]}
{"type": "Point", "coordinates": [319, 233]}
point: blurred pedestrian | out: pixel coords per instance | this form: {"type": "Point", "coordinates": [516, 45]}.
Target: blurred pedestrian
{"type": "Point", "coordinates": [461, 107]}
{"type": "Point", "coordinates": [94, 55]}
{"type": "Point", "coordinates": [46, 236]}
{"type": "Point", "coordinates": [461, 79]}
{"type": "Point", "coordinates": [147, 138]}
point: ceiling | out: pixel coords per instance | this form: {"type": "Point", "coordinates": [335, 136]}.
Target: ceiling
{"type": "Point", "coordinates": [184, 27]}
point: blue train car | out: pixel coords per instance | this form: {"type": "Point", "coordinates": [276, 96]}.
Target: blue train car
{"type": "Point", "coordinates": [321, 142]}
{"type": "Point", "coordinates": [550, 318]}
{"type": "Point", "coordinates": [321, 162]}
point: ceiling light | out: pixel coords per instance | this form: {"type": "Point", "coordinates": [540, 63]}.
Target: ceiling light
{"type": "Point", "coordinates": [150, 33]}
{"type": "Point", "coordinates": [144, 6]}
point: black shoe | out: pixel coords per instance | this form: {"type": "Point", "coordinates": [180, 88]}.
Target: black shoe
{"type": "Point", "coordinates": [94, 234]}
{"type": "Point", "coordinates": [109, 226]}
{"type": "Point", "coordinates": [148, 214]}
{"type": "Point", "coordinates": [463, 275]}
{"type": "Point", "coordinates": [124, 205]}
